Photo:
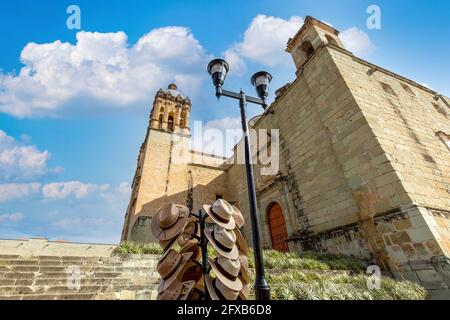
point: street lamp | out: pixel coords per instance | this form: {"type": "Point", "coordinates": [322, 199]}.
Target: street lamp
{"type": "Point", "coordinates": [218, 69]}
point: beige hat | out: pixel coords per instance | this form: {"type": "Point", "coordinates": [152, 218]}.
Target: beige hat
{"type": "Point", "coordinates": [238, 217]}
{"type": "Point", "coordinates": [169, 221]}
{"type": "Point", "coordinates": [192, 246]}
{"type": "Point", "coordinates": [224, 241]}
{"type": "Point", "coordinates": [177, 291]}
{"type": "Point", "coordinates": [245, 292]}
{"type": "Point", "coordinates": [170, 266]}
{"type": "Point", "coordinates": [218, 291]}
{"type": "Point", "coordinates": [227, 271]}
{"type": "Point", "coordinates": [241, 242]}
{"type": "Point", "coordinates": [221, 212]}
{"type": "Point", "coordinates": [244, 270]}
{"type": "Point", "coordinates": [192, 229]}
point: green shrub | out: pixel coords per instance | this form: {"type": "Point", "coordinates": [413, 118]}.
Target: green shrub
{"type": "Point", "coordinates": [309, 261]}
{"type": "Point", "coordinates": [129, 247]}
{"type": "Point", "coordinates": [298, 285]}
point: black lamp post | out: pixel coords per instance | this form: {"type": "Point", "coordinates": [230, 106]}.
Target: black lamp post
{"type": "Point", "coordinates": [218, 70]}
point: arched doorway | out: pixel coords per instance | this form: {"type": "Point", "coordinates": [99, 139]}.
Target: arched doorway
{"type": "Point", "coordinates": [278, 230]}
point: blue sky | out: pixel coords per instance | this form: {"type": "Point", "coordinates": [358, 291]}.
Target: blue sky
{"type": "Point", "coordinates": [74, 104]}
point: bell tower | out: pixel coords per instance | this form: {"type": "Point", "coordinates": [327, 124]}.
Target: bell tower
{"type": "Point", "coordinates": [312, 35]}
{"type": "Point", "coordinates": [171, 111]}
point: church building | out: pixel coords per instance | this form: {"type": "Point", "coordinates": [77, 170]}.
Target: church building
{"type": "Point", "coordinates": [364, 164]}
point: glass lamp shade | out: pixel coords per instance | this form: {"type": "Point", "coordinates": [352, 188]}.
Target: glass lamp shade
{"type": "Point", "coordinates": [218, 69]}
{"type": "Point", "coordinates": [261, 81]}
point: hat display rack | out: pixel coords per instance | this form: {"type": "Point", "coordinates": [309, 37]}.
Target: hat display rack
{"type": "Point", "coordinates": [186, 273]}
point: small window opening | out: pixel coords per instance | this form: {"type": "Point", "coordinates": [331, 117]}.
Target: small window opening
{"type": "Point", "coordinates": [408, 89]}
{"type": "Point", "coordinates": [388, 89]}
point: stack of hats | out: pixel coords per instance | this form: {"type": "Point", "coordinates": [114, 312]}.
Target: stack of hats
{"type": "Point", "coordinates": [231, 264]}
{"type": "Point", "coordinates": [181, 276]}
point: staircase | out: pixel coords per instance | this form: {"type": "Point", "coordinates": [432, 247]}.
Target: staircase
{"type": "Point", "coordinates": [78, 278]}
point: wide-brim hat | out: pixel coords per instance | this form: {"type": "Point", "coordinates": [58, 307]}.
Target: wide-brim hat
{"type": "Point", "coordinates": [166, 245]}
{"type": "Point", "coordinates": [221, 213]}
{"type": "Point", "coordinates": [177, 215]}
{"type": "Point", "coordinates": [177, 291]}
{"type": "Point", "coordinates": [241, 242]}
{"type": "Point", "coordinates": [219, 291]}
{"type": "Point", "coordinates": [238, 217]}
{"type": "Point", "coordinates": [231, 253]}
{"type": "Point", "coordinates": [234, 283]}
{"type": "Point", "coordinates": [165, 283]}
{"type": "Point", "coordinates": [244, 271]}
{"type": "Point", "coordinates": [192, 246]}
{"type": "Point", "coordinates": [191, 230]}
{"type": "Point", "coordinates": [245, 292]}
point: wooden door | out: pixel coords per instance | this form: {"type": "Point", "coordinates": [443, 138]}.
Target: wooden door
{"type": "Point", "coordinates": [278, 230]}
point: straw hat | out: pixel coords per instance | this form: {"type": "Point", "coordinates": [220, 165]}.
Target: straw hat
{"type": "Point", "coordinates": [241, 242]}
{"type": "Point", "coordinates": [218, 291]}
{"type": "Point", "coordinates": [238, 217]}
{"type": "Point", "coordinates": [169, 221]}
{"type": "Point", "coordinates": [227, 271]}
{"type": "Point", "coordinates": [192, 246]}
{"type": "Point", "coordinates": [245, 292]}
{"type": "Point", "coordinates": [177, 291]}
{"type": "Point", "coordinates": [244, 270]}
{"type": "Point", "coordinates": [221, 212]}
{"type": "Point", "coordinates": [192, 229]}
{"type": "Point", "coordinates": [224, 241]}
{"type": "Point", "coordinates": [170, 266]}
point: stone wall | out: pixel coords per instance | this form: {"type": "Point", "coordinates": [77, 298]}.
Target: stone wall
{"type": "Point", "coordinates": [43, 247]}
{"type": "Point", "coordinates": [169, 172]}
{"type": "Point", "coordinates": [37, 269]}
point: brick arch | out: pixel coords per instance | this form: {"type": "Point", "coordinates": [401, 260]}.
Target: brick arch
{"type": "Point", "coordinates": [277, 227]}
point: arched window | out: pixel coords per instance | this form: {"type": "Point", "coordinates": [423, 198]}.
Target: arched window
{"type": "Point", "coordinates": [170, 124]}
{"type": "Point", "coordinates": [307, 49]}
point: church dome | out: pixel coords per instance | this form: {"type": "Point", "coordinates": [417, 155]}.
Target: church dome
{"type": "Point", "coordinates": [172, 89]}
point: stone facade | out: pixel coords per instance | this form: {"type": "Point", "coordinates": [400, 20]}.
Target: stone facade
{"type": "Point", "coordinates": [364, 163]}
{"type": "Point", "coordinates": [168, 171]}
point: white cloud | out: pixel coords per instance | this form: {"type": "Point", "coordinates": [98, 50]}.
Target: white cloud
{"type": "Point", "coordinates": [13, 217]}
{"type": "Point", "coordinates": [101, 70]}
{"type": "Point", "coordinates": [72, 189]}
{"type": "Point", "coordinates": [19, 161]}
{"type": "Point", "coordinates": [264, 42]}
{"type": "Point", "coordinates": [117, 197]}
{"type": "Point", "coordinates": [18, 191]}
{"type": "Point", "coordinates": [217, 137]}
{"type": "Point", "coordinates": [266, 38]}
{"type": "Point", "coordinates": [356, 41]}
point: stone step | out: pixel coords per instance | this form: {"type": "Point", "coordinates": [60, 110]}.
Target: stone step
{"type": "Point", "coordinates": [3, 256]}
{"type": "Point", "coordinates": [11, 275]}
{"type": "Point", "coordinates": [55, 275]}
{"type": "Point", "coordinates": [56, 263]}
{"type": "Point", "coordinates": [121, 295]}
{"type": "Point", "coordinates": [73, 296]}
{"type": "Point", "coordinates": [82, 269]}
{"type": "Point", "coordinates": [80, 258]}
{"type": "Point", "coordinates": [83, 281]}
{"type": "Point", "coordinates": [64, 289]}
